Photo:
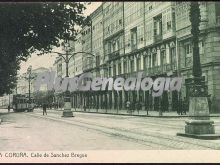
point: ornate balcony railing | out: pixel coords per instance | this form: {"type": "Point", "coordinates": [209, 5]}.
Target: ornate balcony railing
{"type": "Point", "coordinates": [218, 19]}
{"type": "Point", "coordinates": [174, 66]}
{"type": "Point", "coordinates": [167, 67]}
{"type": "Point", "coordinates": [113, 55]}
{"type": "Point", "coordinates": [157, 38]}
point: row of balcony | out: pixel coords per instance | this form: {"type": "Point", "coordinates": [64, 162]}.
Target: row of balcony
{"type": "Point", "coordinates": [156, 70]}
{"type": "Point", "coordinates": [162, 69]}
{"type": "Point", "coordinates": [115, 54]}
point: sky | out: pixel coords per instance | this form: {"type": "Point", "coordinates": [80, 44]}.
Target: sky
{"type": "Point", "coordinates": [47, 60]}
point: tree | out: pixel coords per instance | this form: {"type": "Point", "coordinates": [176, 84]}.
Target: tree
{"type": "Point", "coordinates": [29, 27]}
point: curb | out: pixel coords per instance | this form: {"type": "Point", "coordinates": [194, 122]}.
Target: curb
{"type": "Point", "coordinates": [173, 116]}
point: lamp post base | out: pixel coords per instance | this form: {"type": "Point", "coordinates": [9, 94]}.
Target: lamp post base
{"type": "Point", "coordinates": [199, 125]}
{"type": "Point", "coordinates": [67, 110]}
{"type": "Point", "coordinates": [203, 136]}
{"type": "Point", "coordinates": [67, 106]}
{"type": "Point", "coordinates": [67, 113]}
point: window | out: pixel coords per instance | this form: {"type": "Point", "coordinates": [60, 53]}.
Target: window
{"type": "Point", "coordinates": [201, 47]}
{"type": "Point", "coordinates": [132, 65]}
{"type": "Point", "coordinates": [125, 67]}
{"type": "Point", "coordinates": [149, 61]}
{"type": "Point", "coordinates": [120, 22]}
{"type": "Point", "coordinates": [114, 70]}
{"type": "Point", "coordinates": [134, 38]}
{"type": "Point", "coordinates": [109, 71]}
{"type": "Point", "coordinates": [158, 26]}
{"type": "Point", "coordinates": [188, 49]}
{"type": "Point", "coordinates": [138, 64]}
{"type": "Point", "coordinates": [109, 47]}
{"type": "Point", "coordinates": [113, 46]}
{"type": "Point", "coordinates": [163, 57]}
{"type": "Point", "coordinates": [188, 55]}
{"type": "Point", "coordinates": [97, 60]}
{"type": "Point", "coordinates": [145, 62]}
{"type": "Point", "coordinates": [172, 55]}
{"type": "Point", "coordinates": [154, 59]}
{"type": "Point", "coordinates": [119, 68]}
{"type": "Point", "coordinates": [217, 11]}
{"type": "Point", "coordinates": [149, 31]}
{"type": "Point", "coordinates": [169, 25]}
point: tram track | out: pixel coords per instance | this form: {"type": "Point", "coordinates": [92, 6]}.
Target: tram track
{"type": "Point", "coordinates": [154, 139]}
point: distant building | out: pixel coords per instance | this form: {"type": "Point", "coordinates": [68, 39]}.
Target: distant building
{"type": "Point", "coordinates": [23, 85]}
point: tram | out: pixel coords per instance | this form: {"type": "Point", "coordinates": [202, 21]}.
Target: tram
{"type": "Point", "coordinates": [20, 103]}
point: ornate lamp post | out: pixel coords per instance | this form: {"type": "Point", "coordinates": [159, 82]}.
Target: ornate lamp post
{"type": "Point", "coordinates": [29, 78]}
{"type": "Point", "coordinates": [66, 57]}
{"type": "Point", "coordinates": [199, 124]}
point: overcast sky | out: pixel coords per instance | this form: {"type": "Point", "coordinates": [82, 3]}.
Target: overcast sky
{"type": "Point", "coordinates": [48, 60]}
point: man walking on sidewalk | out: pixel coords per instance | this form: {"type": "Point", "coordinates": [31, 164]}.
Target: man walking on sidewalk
{"type": "Point", "coordinates": [8, 108]}
{"type": "Point", "coordinates": [44, 109]}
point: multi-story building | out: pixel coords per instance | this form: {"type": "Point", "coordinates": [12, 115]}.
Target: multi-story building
{"type": "Point", "coordinates": [159, 56]}
{"type": "Point", "coordinates": [97, 57]}
{"type": "Point", "coordinates": [209, 47]}
{"type": "Point", "coordinates": [113, 21]}
{"type": "Point", "coordinates": [77, 98]}
{"type": "Point", "coordinates": [78, 57]}
{"type": "Point", "coordinates": [146, 44]}
{"type": "Point", "coordinates": [58, 67]}
{"type": "Point", "coordinates": [97, 40]}
{"type": "Point", "coordinates": [87, 47]}
{"type": "Point", "coordinates": [71, 65]}
{"type": "Point", "coordinates": [153, 38]}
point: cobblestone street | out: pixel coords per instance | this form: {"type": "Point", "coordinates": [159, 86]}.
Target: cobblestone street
{"type": "Point", "coordinates": [86, 131]}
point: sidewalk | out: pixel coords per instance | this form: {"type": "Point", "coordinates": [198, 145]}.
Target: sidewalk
{"type": "Point", "coordinates": [141, 113]}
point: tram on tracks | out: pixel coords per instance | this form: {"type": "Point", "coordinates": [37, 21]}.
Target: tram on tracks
{"type": "Point", "coordinates": [21, 103]}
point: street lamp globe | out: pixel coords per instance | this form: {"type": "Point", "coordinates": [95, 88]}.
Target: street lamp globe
{"type": "Point", "coordinates": [29, 69]}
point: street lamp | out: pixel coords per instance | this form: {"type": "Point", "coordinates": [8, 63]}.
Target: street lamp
{"type": "Point", "coordinates": [66, 57]}
{"type": "Point", "coordinates": [199, 125]}
{"type": "Point", "coordinates": [29, 78]}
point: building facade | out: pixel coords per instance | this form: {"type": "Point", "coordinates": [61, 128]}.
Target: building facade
{"type": "Point", "coordinates": [153, 38]}
{"type": "Point", "coordinates": [209, 46]}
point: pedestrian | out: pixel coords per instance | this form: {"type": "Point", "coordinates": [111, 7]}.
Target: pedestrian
{"type": "Point", "coordinates": [128, 104]}
{"type": "Point", "coordinates": [8, 108]}
{"type": "Point", "coordinates": [185, 106]}
{"type": "Point", "coordinates": [209, 103]}
{"type": "Point", "coordinates": [44, 109]}
{"type": "Point", "coordinates": [84, 107]}
{"type": "Point", "coordinates": [139, 107]}
{"type": "Point", "coordinates": [181, 106]}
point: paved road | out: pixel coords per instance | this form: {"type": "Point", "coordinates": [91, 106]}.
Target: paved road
{"type": "Point", "coordinates": [33, 131]}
